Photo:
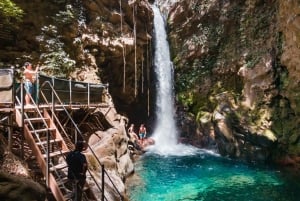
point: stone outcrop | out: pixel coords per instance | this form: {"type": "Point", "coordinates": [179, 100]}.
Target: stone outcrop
{"type": "Point", "coordinates": [15, 180]}
{"type": "Point", "coordinates": [14, 188]}
{"type": "Point", "coordinates": [111, 147]}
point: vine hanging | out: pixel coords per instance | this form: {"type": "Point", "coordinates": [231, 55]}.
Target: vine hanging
{"type": "Point", "coordinates": [123, 48]}
{"type": "Point", "coordinates": [135, 66]}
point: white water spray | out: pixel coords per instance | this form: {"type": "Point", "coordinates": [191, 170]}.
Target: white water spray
{"type": "Point", "coordinates": [165, 132]}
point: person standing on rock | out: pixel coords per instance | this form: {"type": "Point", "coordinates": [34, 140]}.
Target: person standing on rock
{"type": "Point", "coordinates": [77, 167]}
{"type": "Point", "coordinates": [131, 128]}
{"type": "Point", "coordinates": [142, 133]}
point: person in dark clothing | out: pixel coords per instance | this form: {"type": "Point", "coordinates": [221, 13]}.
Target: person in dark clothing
{"type": "Point", "coordinates": [77, 167]}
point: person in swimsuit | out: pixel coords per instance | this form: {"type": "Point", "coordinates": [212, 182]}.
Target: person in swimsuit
{"type": "Point", "coordinates": [142, 133]}
{"type": "Point", "coordinates": [29, 80]}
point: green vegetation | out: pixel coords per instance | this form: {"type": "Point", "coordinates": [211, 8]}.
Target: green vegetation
{"type": "Point", "coordinates": [54, 56]}
{"type": "Point", "coordinates": [10, 13]}
{"type": "Point", "coordinates": [65, 17]}
{"type": "Point", "coordinates": [54, 47]}
{"type": "Point", "coordinates": [9, 10]}
{"type": "Point", "coordinates": [253, 59]}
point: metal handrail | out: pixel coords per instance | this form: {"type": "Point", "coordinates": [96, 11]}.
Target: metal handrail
{"type": "Point", "coordinates": [78, 130]}
{"type": "Point", "coordinates": [24, 114]}
{"type": "Point", "coordinates": [72, 85]}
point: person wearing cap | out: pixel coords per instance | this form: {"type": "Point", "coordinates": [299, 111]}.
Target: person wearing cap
{"type": "Point", "coordinates": [77, 167]}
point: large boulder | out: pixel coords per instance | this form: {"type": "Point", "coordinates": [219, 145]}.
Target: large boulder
{"type": "Point", "coordinates": [16, 188]}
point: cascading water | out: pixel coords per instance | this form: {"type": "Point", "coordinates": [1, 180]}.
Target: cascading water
{"type": "Point", "coordinates": [165, 132]}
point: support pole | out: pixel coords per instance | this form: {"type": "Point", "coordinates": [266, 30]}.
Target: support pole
{"type": "Point", "coordinates": [37, 97]}
{"type": "Point", "coordinates": [10, 117]}
{"type": "Point", "coordinates": [89, 94]}
{"type": "Point", "coordinates": [22, 112]}
{"type": "Point", "coordinates": [70, 90]}
{"type": "Point", "coordinates": [48, 158]}
{"type": "Point", "coordinates": [52, 98]}
{"type": "Point", "coordinates": [10, 131]}
{"type": "Point", "coordinates": [102, 185]}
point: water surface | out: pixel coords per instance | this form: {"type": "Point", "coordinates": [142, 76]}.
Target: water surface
{"type": "Point", "coordinates": [208, 177]}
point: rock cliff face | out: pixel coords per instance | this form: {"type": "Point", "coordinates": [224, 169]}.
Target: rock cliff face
{"type": "Point", "coordinates": [237, 76]}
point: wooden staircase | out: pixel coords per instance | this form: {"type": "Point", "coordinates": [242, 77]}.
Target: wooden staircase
{"type": "Point", "coordinates": [49, 149]}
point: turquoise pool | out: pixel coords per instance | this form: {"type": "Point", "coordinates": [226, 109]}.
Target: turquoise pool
{"type": "Point", "coordinates": [204, 176]}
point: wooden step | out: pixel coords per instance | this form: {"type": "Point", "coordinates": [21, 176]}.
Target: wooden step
{"type": "Point", "coordinates": [68, 195]}
{"type": "Point", "coordinates": [29, 109]}
{"type": "Point", "coordinates": [56, 153]}
{"type": "Point", "coordinates": [44, 130]}
{"type": "Point", "coordinates": [62, 181]}
{"type": "Point", "coordinates": [26, 107]}
{"type": "Point", "coordinates": [42, 133]}
{"type": "Point", "coordinates": [59, 166]}
{"type": "Point", "coordinates": [50, 141]}
{"type": "Point", "coordinates": [37, 120]}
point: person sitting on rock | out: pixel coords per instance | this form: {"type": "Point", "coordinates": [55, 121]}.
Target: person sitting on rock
{"type": "Point", "coordinates": [134, 139]}
{"type": "Point", "coordinates": [131, 128]}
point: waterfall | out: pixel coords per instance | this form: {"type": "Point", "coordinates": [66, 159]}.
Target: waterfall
{"type": "Point", "coordinates": [165, 5]}
{"type": "Point", "coordinates": [165, 131]}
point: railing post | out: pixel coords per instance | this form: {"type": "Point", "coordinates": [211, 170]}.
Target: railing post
{"type": "Point", "coordinates": [88, 94]}
{"type": "Point", "coordinates": [102, 185]}
{"type": "Point", "coordinates": [37, 97]}
{"type": "Point", "coordinates": [52, 97]}
{"type": "Point", "coordinates": [76, 135]}
{"type": "Point", "coordinates": [22, 112]}
{"type": "Point", "coordinates": [52, 92]}
{"type": "Point", "coordinates": [13, 93]}
{"type": "Point", "coordinates": [70, 87]}
{"type": "Point", "coordinates": [10, 118]}
{"type": "Point", "coordinates": [48, 158]}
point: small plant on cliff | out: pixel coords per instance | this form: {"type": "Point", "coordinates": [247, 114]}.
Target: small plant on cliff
{"type": "Point", "coordinates": [252, 60]}
{"type": "Point", "coordinates": [65, 17]}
